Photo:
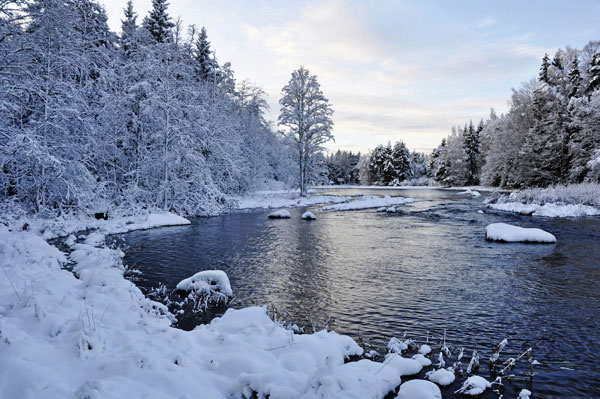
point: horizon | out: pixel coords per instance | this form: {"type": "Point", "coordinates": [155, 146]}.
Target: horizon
{"type": "Point", "coordinates": [391, 70]}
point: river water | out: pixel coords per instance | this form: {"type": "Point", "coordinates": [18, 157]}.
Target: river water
{"type": "Point", "coordinates": [420, 271]}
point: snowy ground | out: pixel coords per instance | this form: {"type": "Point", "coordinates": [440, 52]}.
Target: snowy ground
{"type": "Point", "coordinates": [62, 227]}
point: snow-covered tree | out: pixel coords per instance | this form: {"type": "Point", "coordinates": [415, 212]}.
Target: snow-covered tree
{"type": "Point", "coordinates": [206, 65]}
{"type": "Point", "coordinates": [306, 115]}
{"type": "Point", "coordinates": [158, 22]}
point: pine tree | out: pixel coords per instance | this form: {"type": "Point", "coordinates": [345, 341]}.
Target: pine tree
{"type": "Point", "coordinates": [543, 76]}
{"type": "Point", "coordinates": [400, 159]}
{"type": "Point", "coordinates": [471, 147]}
{"type": "Point", "coordinates": [158, 22]}
{"type": "Point", "coordinates": [128, 27]}
{"type": "Point", "coordinates": [206, 65]}
{"type": "Point", "coordinates": [574, 78]}
{"type": "Point", "coordinates": [594, 74]}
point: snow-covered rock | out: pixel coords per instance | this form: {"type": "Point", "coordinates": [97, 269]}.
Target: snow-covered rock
{"type": "Point", "coordinates": [382, 209]}
{"type": "Point", "coordinates": [419, 389]}
{"type": "Point", "coordinates": [209, 283]}
{"type": "Point", "coordinates": [425, 349]}
{"type": "Point", "coordinates": [309, 216]}
{"type": "Point", "coordinates": [474, 385]}
{"type": "Point", "coordinates": [425, 362]}
{"type": "Point", "coordinates": [280, 214]}
{"type": "Point", "coordinates": [369, 202]}
{"type": "Point", "coordinates": [391, 209]}
{"type": "Point", "coordinates": [509, 233]}
{"type": "Point", "coordinates": [441, 376]}
{"type": "Point", "coordinates": [524, 394]}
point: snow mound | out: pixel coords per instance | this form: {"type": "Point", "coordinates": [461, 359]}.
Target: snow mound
{"type": "Point", "coordinates": [508, 233]}
{"type": "Point", "coordinates": [382, 209]}
{"type": "Point", "coordinates": [211, 283]}
{"type": "Point", "coordinates": [548, 209]}
{"type": "Point", "coordinates": [419, 389]}
{"type": "Point", "coordinates": [474, 385]}
{"type": "Point", "coordinates": [425, 349]}
{"type": "Point", "coordinates": [309, 216]}
{"type": "Point", "coordinates": [524, 394]}
{"type": "Point", "coordinates": [441, 377]}
{"type": "Point", "coordinates": [425, 362]}
{"type": "Point", "coordinates": [280, 214]}
{"type": "Point", "coordinates": [391, 209]}
{"type": "Point", "coordinates": [470, 192]}
{"type": "Point", "coordinates": [369, 202]}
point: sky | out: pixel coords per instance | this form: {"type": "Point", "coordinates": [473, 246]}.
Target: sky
{"type": "Point", "coordinates": [391, 69]}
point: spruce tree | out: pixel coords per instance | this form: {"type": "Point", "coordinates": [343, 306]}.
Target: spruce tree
{"type": "Point", "coordinates": [594, 74]}
{"type": "Point", "coordinates": [400, 159]}
{"type": "Point", "coordinates": [574, 78]}
{"type": "Point", "coordinates": [206, 65]}
{"type": "Point", "coordinates": [543, 77]}
{"type": "Point", "coordinates": [471, 147]}
{"type": "Point", "coordinates": [128, 27]}
{"type": "Point", "coordinates": [158, 22]}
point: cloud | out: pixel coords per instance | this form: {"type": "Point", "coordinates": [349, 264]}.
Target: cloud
{"type": "Point", "coordinates": [486, 22]}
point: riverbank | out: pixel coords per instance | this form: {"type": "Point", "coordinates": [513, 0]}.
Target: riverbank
{"type": "Point", "coordinates": [574, 200]}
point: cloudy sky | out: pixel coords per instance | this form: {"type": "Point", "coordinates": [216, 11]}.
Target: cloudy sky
{"type": "Point", "coordinates": [392, 69]}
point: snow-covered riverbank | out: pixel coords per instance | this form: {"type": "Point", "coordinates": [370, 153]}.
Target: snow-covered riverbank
{"type": "Point", "coordinates": [560, 201]}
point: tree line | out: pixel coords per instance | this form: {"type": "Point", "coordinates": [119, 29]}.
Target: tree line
{"type": "Point", "coordinates": [550, 134]}
{"type": "Point", "coordinates": [146, 118]}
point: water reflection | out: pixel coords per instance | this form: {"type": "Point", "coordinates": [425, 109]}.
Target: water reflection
{"type": "Point", "coordinates": [425, 269]}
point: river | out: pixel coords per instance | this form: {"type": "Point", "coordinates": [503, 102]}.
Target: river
{"type": "Point", "coordinates": [420, 271]}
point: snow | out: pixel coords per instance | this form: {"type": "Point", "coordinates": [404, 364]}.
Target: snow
{"type": "Point", "coordinates": [425, 349]}
{"type": "Point", "coordinates": [391, 209]}
{"type": "Point", "coordinates": [278, 199]}
{"type": "Point", "coordinates": [524, 394]}
{"type": "Point", "coordinates": [92, 333]}
{"type": "Point", "coordinates": [369, 202]}
{"type": "Point", "coordinates": [425, 362]}
{"type": "Point", "coordinates": [280, 214]}
{"type": "Point", "coordinates": [207, 282]}
{"type": "Point", "coordinates": [508, 233]}
{"type": "Point", "coordinates": [548, 209]}
{"type": "Point", "coordinates": [470, 192]}
{"type": "Point", "coordinates": [441, 376]}
{"type": "Point", "coordinates": [419, 389]}
{"type": "Point", "coordinates": [309, 216]}
{"type": "Point", "coordinates": [474, 385]}
{"type": "Point", "coordinates": [63, 227]}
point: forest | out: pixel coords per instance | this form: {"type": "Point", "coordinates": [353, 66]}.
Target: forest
{"type": "Point", "coordinates": [91, 120]}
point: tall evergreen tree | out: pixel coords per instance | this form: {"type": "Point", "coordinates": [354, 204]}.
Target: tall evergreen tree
{"type": "Point", "coordinates": [471, 147]}
{"type": "Point", "coordinates": [158, 22]}
{"type": "Point", "coordinates": [206, 65]}
{"type": "Point", "coordinates": [128, 27]}
{"type": "Point", "coordinates": [400, 159]}
{"type": "Point", "coordinates": [543, 76]}
{"type": "Point", "coordinates": [594, 74]}
{"type": "Point", "coordinates": [574, 78]}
